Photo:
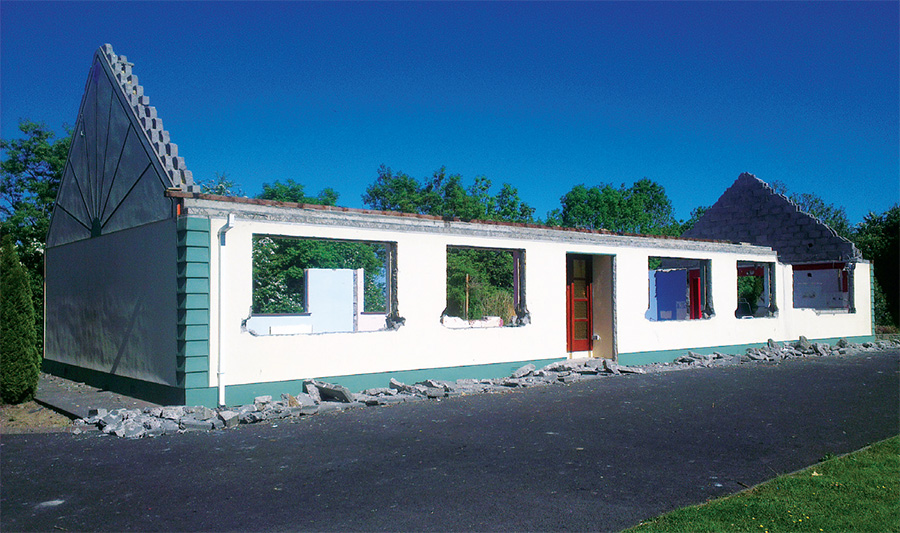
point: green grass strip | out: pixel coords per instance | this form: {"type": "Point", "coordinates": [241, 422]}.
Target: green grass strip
{"type": "Point", "coordinates": [859, 491]}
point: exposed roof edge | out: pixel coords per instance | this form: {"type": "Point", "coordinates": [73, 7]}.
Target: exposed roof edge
{"type": "Point", "coordinates": [751, 211]}
{"type": "Point", "coordinates": [801, 211]}
{"type": "Point", "coordinates": [152, 126]}
{"type": "Point", "coordinates": [399, 215]}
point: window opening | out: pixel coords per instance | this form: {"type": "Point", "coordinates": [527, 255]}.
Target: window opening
{"type": "Point", "coordinates": [679, 289]}
{"type": "Point", "coordinates": [309, 285]}
{"type": "Point", "coordinates": [485, 288]}
{"type": "Point", "coordinates": [755, 290]}
{"type": "Point", "coordinates": [823, 286]}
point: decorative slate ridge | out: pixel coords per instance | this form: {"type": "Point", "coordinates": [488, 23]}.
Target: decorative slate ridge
{"type": "Point", "coordinates": [750, 211]}
{"type": "Point", "coordinates": [294, 205]}
{"type": "Point", "coordinates": [166, 151]}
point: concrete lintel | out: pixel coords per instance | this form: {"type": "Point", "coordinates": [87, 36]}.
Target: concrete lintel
{"type": "Point", "coordinates": [411, 224]}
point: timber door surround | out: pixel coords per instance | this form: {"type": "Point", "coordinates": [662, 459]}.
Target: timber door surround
{"type": "Point", "coordinates": [579, 306]}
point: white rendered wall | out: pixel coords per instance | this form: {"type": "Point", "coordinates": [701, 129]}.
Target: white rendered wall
{"type": "Point", "coordinates": [424, 343]}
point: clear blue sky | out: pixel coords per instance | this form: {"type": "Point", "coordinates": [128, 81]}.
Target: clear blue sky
{"type": "Point", "coordinates": [541, 95]}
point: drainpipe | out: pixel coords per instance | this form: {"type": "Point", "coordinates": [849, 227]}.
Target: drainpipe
{"type": "Point", "coordinates": [229, 223]}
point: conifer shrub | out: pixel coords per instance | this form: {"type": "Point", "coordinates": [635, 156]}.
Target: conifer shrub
{"type": "Point", "coordinates": [19, 357]}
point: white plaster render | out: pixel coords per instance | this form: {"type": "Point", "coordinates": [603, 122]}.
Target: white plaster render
{"type": "Point", "coordinates": [421, 257]}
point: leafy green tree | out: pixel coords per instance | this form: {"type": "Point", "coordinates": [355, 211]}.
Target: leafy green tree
{"type": "Point", "coordinates": [220, 185]}
{"type": "Point", "coordinates": [445, 195]}
{"type": "Point", "coordinates": [279, 264]}
{"type": "Point", "coordinates": [642, 208]}
{"type": "Point", "coordinates": [878, 239]}
{"type": "Point", "coordinates": [279, 270]}
{"type": "Point", "coordinates": [696, 213]}
{"type": "Point", "coordinates": [485, 274]}
{"type": "Point", "coordinates": [19, 356]}
{"type": "Point", "coordinates": [30, 174]}
{"type": "Point", "coordinates": [291, 191]}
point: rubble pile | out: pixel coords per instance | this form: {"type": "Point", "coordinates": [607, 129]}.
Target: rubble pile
{"type": "Point", "coordinates": [320, 397]}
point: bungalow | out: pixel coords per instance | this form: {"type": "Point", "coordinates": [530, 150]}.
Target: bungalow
{"type": "Point", "coordinates": [158, 291]}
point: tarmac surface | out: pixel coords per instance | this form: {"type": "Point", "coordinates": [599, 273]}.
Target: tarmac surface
{"type": "Point", "coordinates": [597, 455]}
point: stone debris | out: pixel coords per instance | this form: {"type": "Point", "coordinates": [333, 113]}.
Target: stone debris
{"type": "Point", "coordinates": [320, 397]}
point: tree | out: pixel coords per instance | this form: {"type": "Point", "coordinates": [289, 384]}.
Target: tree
{"type": "Point", "coordinates": [485, 275]}
{"type": "Point", "coordinates": [696, 213]}
{"type": "Point", "coordinates": [291, 191]}
{"type": "Point", "coordinates": [878, 239]}
{"type": "Point", "coordinates": [279, 270]}
{"type": "Point", "coordinates": [444, 195]}
{"type": "Point", "coordinates": [220, 185]}
{"type": "Point", "coordinates": [279, 264]}
{"type": "Point", "coordinates": [30, 176]}
{"type": "Point", "coordinates": [20, 359]}
{"type": "Point", "coordinates": [642, 208]}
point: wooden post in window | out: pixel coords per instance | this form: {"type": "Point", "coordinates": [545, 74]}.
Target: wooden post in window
{"type": "Point", "coordinates": [467, 298]}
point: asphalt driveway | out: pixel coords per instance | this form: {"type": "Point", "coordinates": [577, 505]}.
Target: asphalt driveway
{"type": "Point", "coordinates": [596, 455]}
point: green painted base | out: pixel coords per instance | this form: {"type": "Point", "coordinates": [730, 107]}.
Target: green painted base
{"type": "Point", "coordinates": [668, 356]}
{"type": "Point", "coordinates": [244, 394]}
{"type": "Point", "coordinates": [145, 390]}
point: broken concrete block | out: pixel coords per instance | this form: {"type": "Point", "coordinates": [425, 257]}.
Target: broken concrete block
{"type": "Point", "coordinates": [108, 420]}
{"type": "Point", "coordinates": [173, 412]}
{"type": "Point", "coordinates": [250, 417]}
{"type": "Point", "coordinates": [842, 343]}
{"type": "Point", "coordinates": [803, 344]}
{"type": "Point", "coordinates": [310, 388]}
{"type": "Point", "coordinates": [290, 400]}
{"type": "Point", "coordinates": [523, 371]}
{"type": "Point", "coordinates": [327, 407]}
{"type": "Point", "coordinates": [229, 418]}
{"type": "Point", "coordinates": [189, 423]}
{"type": "Point", "coordinates": [262, 400]}
{"type": "Point", "coordinates": [631, 370]}
{"type": "Point", "coordinates": [200, 412]}
{"type": "Point", "coordinates": [130, 429]}
{"type": "Point", "coordinates": [99, 413]}
{"type": "Point", "coordinates": [610, 366]}
{"type": "Point", "coordinates": [434, 392]}
{"type": "Point", "coordinates": [402, 387]}
{"type": "Point", "coordinates": [339, 393]}
{"type": "Point", "coordinates": [568, 378]}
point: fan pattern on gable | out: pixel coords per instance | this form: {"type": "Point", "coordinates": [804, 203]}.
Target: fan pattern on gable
{"type": "Point", "coordinates": [121, 161]}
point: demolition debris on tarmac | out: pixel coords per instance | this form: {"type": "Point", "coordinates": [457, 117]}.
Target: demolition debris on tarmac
{"type": "Point", "coordinates": [318, 397]}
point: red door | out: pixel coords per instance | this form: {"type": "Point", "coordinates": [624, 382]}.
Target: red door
{"type": "Point", "coordinates": [694, 293]}
{"type": "Point", "coordinates": [579, 322]}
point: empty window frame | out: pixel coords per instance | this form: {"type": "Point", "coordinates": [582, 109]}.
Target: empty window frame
{"type": "Point", "coordinates": [309, 285]}
{"type": "Point", "coordinates": [755, 289]}
{"type": "Point", "coordinates": [824, 286]}
{"type": "Point", "coordinates": [680, 289]}
{"type": "Point", "coordinates": [485, 288]}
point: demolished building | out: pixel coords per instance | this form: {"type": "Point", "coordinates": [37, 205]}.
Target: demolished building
{"type": "Point", "coordinates": [151, 288]}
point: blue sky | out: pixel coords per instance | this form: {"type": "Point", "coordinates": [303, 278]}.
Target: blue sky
{"type": "Point", "coordinates": [541, 95]}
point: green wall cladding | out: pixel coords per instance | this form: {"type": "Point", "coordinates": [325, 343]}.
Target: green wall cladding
{"type": "Point", "coordinates": [192, 374]}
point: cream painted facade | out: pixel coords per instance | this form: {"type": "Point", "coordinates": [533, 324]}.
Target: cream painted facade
{"type": "Point", "coordinates": [619, 306]}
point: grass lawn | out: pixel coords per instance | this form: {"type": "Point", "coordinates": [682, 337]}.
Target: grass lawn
{"type": "Point", "coordinates": [857, 492]}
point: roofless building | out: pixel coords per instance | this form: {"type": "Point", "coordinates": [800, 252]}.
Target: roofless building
{"type": "Point", "coordinates": [158, 291]}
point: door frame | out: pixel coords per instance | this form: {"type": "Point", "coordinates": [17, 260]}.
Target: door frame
{"type": "Point", "coordinates": [573, 344]}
